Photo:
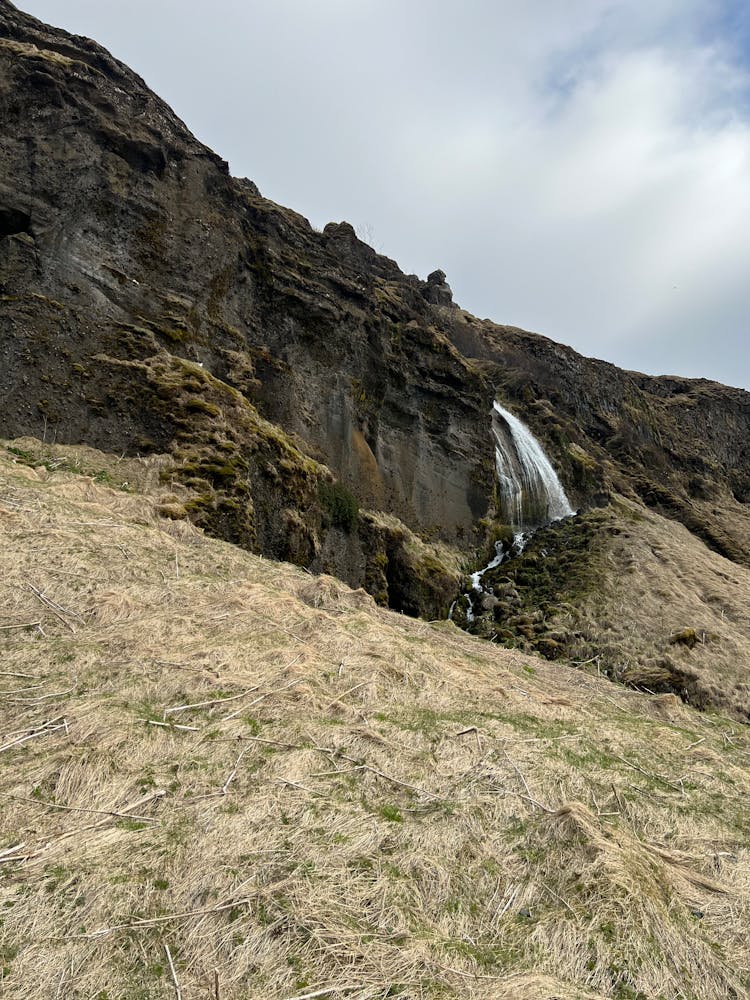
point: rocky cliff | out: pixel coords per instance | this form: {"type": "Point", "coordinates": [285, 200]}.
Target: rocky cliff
{"type": "Point", "coordinates": [151, 302]}
{"type": "Point", "coordinates": [320, 405]}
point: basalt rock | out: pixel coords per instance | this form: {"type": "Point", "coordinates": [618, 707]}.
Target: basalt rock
{"type": "Point", "coordinates": [437, 290]}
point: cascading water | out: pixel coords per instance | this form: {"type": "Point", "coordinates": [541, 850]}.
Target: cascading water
{"type": "Point", "coordinates": [530, 492]}
{"type": "Point", "coordinates": [531, 495]}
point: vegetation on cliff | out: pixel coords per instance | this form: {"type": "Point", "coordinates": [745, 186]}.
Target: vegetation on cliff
{"type": "Point", "coordinates": [631, 595]}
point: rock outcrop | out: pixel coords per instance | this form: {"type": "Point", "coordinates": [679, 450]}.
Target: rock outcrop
{"type": "Point", "coordinates": [152, 303]}
{"type": "Point", "coordinates": [438, 291]}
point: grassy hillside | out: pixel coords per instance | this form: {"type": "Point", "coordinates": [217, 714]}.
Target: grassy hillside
{"type": "Point", "coordinates": [221, 776]}
{"type": "Point", "coordinates": [633, 595]}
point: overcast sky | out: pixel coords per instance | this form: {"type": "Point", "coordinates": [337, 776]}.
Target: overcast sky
{"type": "Point", "coordinates": [580, 168]}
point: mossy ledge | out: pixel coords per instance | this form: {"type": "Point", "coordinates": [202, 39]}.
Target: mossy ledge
{"type": "Point", "coordinates": [528, 597]}
{"type": "Point", "coordinates": [248, 481]}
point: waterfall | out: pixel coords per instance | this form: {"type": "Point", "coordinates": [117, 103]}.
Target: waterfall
{"type": "Point", "coordinates": [530, 492]}
{"type": "Point", "coordinates": [531, 495]}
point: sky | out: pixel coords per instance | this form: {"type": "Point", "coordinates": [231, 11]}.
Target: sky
{"type": "Point", "coordinates": [579, 168]}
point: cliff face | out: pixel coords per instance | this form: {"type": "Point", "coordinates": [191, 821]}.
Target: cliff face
{"type": "Point", "coordinates": [125, 239]}
{"type": "Point", "coordinates": [152, 303]}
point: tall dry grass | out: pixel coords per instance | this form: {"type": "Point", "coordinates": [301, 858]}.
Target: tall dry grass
{"type": "Point", "coordinates": [224, 763]}
{"type": "Point", "coordinates": [661, 586]}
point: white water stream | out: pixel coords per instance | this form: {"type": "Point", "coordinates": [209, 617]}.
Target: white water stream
{"type": "Point", "coordinates": [531, 493]}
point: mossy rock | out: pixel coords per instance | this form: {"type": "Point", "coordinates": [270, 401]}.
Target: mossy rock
{"type": "Point", "coordinates": [561, 565]}
{"type": "Point", "coordinates": [240, 469]}
{"type": "Point", "coordinates": [173, 510]}
{"type": "Point", "coordinates": [414, 574]}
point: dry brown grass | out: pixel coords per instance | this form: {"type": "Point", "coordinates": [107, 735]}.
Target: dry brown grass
{"type": "Point", "coordinates": [661, 581]}
{"type": "Point", "coordinates": [355, 801]}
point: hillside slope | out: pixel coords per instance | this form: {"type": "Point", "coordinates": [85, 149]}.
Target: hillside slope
{"type": "Point", "coordinates": [634, 594]}
{"type": "Point", "coordinates": [224, 761]}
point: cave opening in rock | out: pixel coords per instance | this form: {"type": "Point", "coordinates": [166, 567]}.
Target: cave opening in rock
{"type": "Point", "coordinates": [12, 221]}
